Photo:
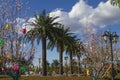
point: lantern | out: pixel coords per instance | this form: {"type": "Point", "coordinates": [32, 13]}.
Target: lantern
{"type": "Point", "coordinates": [22, 68]}
{"type": "Point", "coordinates": [24, 30]}
{"type": "Point", "coordinates": [15, 67]}
{"type": "Point", "coordinates": [105, 36]}
{"type": "Point", "coordinates": [8, 56]}
{"type": "Point", "coordinates": [8, 26]}
{"type": "Point", "coordinates": [31, 57]}
{"type": "Point", "coordinates": [1, 41]}
{"type": "Point", "coordinates": [115, 38]}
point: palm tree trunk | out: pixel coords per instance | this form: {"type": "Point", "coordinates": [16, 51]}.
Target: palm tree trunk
{"type": "Point", "coordinates": [44, 73]}
{"type": "Point", "coordinates": [61, 60]}
{"type": "Point", "coordinates": [79, 69]}
{"type": "Point", "coordinates": [17, 49]}
{"type": "Point", "coordinates": [11, 48]}
{"type": "Point", "coordinates": [71, 63]}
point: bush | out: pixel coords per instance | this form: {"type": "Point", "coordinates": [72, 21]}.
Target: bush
{"type": "Point", "coordinates": [117, 77]}
{"type": "Point", "coordinates": [49, 78]}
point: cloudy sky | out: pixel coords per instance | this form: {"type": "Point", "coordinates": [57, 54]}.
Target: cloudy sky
{"type": "Point", "coordinates": [82, 16]}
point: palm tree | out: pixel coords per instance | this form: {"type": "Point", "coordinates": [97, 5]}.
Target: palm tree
{"type": "Point", "coordinates": [80, 50]}
{"type": "Point", "coordinates": [115, 3]}
{"type": "Point", "coordinates": [44, 29]}
{"type": "Point", "coordinates": [61, 39]}
{"type": "Point", "coordinates": [71, 49]}
{"type": "Point", "coordinates": [55, 64]}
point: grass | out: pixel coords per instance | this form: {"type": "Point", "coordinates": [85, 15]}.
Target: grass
{"type": "Point", "coordinates": [54, 78]}
{"type": "Point", "coordinates": [46, 78]}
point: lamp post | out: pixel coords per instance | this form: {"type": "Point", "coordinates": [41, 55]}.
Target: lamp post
{"type": "Point", "coordinates": [66, 58]}
{"type": "Point", "coordinates": [39, 59]}
{"type": "Point", "coordinates": [112, 37]}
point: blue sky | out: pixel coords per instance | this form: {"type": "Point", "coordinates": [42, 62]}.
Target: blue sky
{"type": "Point", "coordinates": [66, 5]}
{"type": "Point", "coordinates": [82, 16]}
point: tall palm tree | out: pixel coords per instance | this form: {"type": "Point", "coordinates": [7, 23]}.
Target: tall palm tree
{"type": "Point", "coordinates": [44, 29]}
{"type": "Point", "coordinates": [71, 48]}
{"type": "Point", "coordinates": [115, 3]}
{"type": "Point", "coordinates": [61, 39]}
{"type": "Point", "coordinates": [80, 50]}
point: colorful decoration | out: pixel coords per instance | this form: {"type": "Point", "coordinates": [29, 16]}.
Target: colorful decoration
{"type": "Point", "coordinates": [1, 41]}
{"type": "Point", "coordinates": [22, 68]}
{"type": "Point", "coordinates": [9, 56]}
{"type": "Point", "coordinates": [8, 26]}
{"type": "Point", "coordinates": [31, 57]}
{"type": "Point", "coordinates": [24, 30]}
{"type": "Point", "coordinates": [87, 72]}
{"type": "Point", "coordinates": [16, 67]}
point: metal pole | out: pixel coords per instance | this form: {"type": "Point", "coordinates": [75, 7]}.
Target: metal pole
{"type": "Point", "coordinates": [39, 63]}
{"type": "Point", "coordinates": [112, 64]}
{"type": "Point", "coordinates": [66, 67]}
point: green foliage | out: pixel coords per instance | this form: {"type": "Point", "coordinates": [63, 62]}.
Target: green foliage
{"type": "Point", "coordinates": [55, 63]}
{"type": "Point", "coordinates": [117, 76]}
{"type": "Point", "coordinates": [115, 3]}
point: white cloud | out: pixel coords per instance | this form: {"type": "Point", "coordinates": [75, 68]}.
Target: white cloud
{"type": "Point", "coordinates": [83, 17]}
{"type": "Point", "coordinates": [65, 19]}
{"type": "Point", "coordinates": [105, 14]}
{"type": "Point", "coordinates": [27, 25]}
{"type": "Point", "coordinates": [80, 10]}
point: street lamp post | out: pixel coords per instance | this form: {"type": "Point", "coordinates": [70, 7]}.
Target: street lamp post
{"type": "Point", "coordinates": [112, 37]}
{"type": "Point", "coordinates": [39, 59]}
{"type": "Point", "coordinates": [66, 58]}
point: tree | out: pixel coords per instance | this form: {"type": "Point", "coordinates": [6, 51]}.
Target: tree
{"type": "Point", "coordinates": [115, 3]}
{"type": "Point", "coordinates": [55, 64]}
{"type": "Point", "coordinates": [60, 41]}
{"type": "Point", "coordinates": [10, 23]}
{"type": "Point", "coordinates": [44, 28]}
{"type": "Point", "coordinates": [80, 51]}
{"type": "Point", "coordinates": [71, 49]}
{"type": "Point", "coordinates": [10, 14]}
{"type": "Point", "coordinates": [97, 54]}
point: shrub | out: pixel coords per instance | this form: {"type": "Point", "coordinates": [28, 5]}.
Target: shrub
{"type": "Point", "coordinates": [49, 78]}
